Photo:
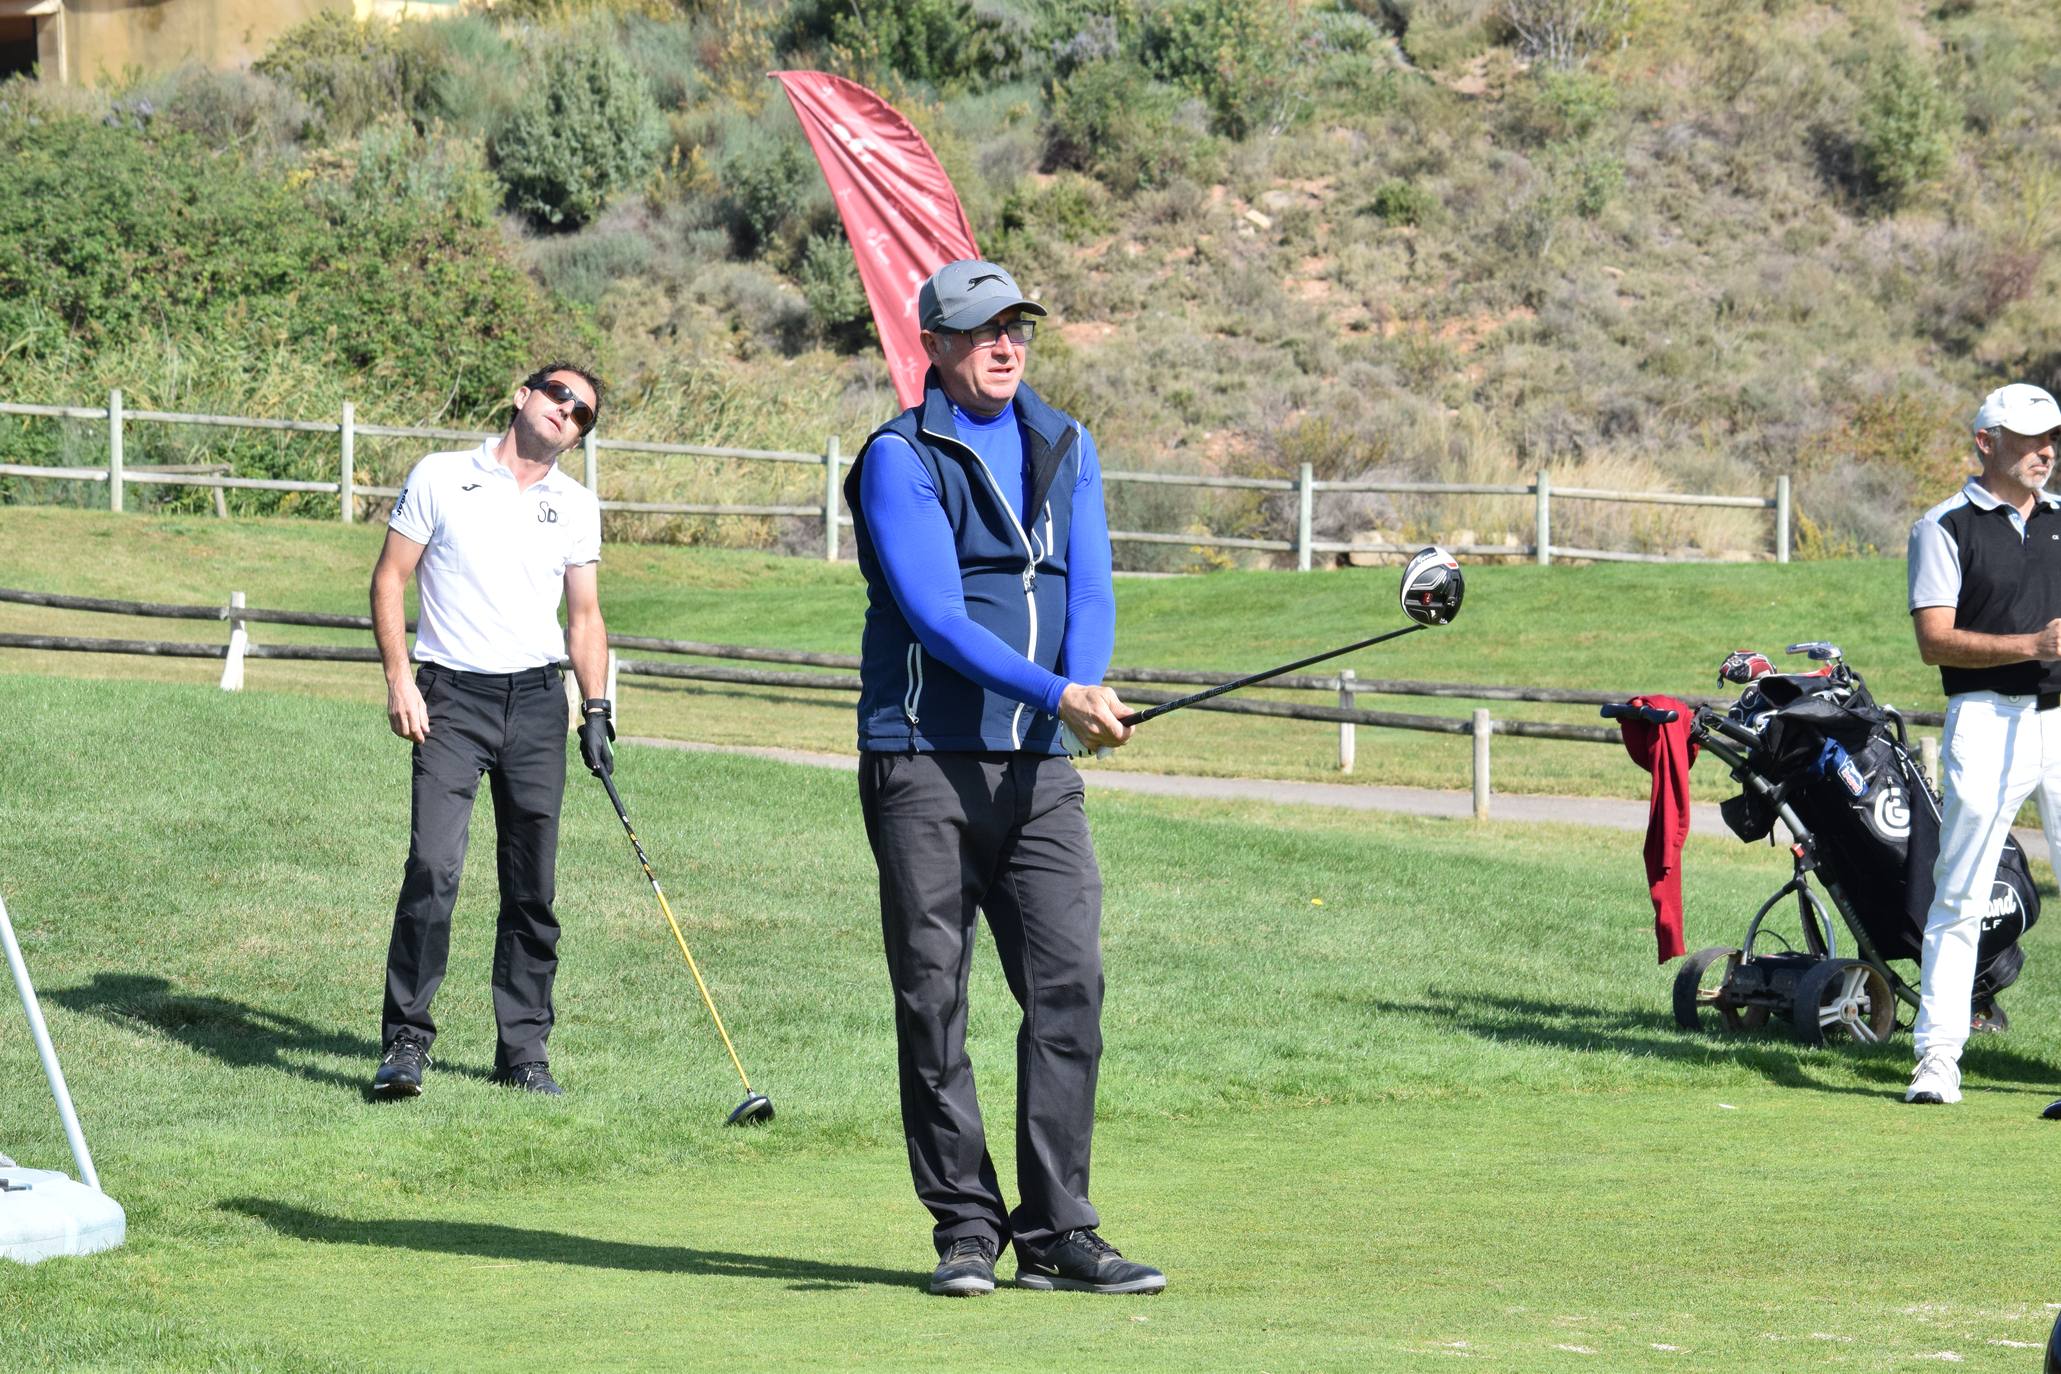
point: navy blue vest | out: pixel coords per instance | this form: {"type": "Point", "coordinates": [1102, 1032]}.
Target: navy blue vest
{"type": "Point", "coordinates": [1012, 574]}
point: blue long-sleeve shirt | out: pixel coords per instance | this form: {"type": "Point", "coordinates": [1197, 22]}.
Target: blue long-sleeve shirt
{"type": "Point", "coordinates": [920, 561]}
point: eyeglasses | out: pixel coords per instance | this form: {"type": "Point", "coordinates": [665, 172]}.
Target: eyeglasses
{"type": "Point", "coordinates": [1020, 333]}
{"type": "Point", "coordinates": [559, 393]}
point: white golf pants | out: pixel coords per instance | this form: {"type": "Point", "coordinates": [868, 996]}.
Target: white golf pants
{"type": "Point", "coordinates": [1997, 751]}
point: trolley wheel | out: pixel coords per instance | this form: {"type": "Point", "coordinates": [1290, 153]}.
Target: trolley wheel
{"type": "Point", "coordinates": [1703, 993]}
{"type": "Point", "coordinates": [1843, 999]}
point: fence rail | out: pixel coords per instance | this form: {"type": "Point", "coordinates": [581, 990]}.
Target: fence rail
{"type": "Point", "coordinates": [117, 474]}
{"type": "Point", "coordinates": [1347, 715]}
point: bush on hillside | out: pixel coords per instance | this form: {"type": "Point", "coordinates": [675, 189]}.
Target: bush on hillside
{"type": "Point", "coordinates": [835, 295]}
{"type": "Point", "coordinates": [1113, 121]}
{"type": "Point", "coordinates": [943, 43]}
{"type": "Point", "coordinates": [585, 128]}
{"type": "Point", "coordinates": [382, 260]}
{"type": "Point", "coordinates": [1906, 133]}
{"type": "Point", "coordinates": [1232, 54]}
{"type": "Point", "coordinates": [768, 177]}
{"type": "Point", "coordinates": [353, 73]}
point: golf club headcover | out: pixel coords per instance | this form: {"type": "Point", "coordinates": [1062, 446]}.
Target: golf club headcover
{"type": "Point", "coordinates": [1742, 666]}
{"type": "Point", "coordinates": [597, 728]}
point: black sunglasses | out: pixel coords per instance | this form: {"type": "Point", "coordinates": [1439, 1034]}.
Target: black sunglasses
{"type": "Point", "coordinates": [1020, 333]}
{"type": "Point", "coordinates": [559, 392]}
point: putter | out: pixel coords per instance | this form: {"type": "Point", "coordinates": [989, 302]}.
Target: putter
{"type": "Point", "coordinates": [757, 1108]}
{"type": "Point", "coordinates": [1431, 594]}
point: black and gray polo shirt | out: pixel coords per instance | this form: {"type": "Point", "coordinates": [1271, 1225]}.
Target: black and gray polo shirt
{"type": "Point", "coordinates": [2000, 571]}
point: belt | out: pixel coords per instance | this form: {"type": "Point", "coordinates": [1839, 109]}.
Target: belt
{"type": "Point", "coordinates": [2049, 700]}
{"type": "Point", "coordinates": [549, 675]}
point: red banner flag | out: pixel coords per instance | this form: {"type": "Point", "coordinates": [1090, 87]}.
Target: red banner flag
{"type": "Point", "coordinates": [899, 209]}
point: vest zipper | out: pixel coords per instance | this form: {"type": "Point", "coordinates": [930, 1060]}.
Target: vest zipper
{"type": "Point", "coordinates": [912, 698]}
{"type": "Point", "coordinates": [1030, 578]}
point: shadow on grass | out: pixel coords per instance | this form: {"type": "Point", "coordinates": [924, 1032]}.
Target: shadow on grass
{"type": "Point", "coordinates": [489, 1240]}
{"type": "Point", "coordinates": [1783, 1062]}
{"type": "Point", "coordinates": [233, 1033]}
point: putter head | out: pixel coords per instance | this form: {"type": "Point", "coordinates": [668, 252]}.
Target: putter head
{"type": "Point", "coordinates": [1820, 651]}
{"type": "Point", "coordinates": [755, 1110]}
{"type": "Point", "coordinates": [1432, 587]}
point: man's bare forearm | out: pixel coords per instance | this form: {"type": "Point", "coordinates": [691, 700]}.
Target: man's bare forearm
{"type": "Point", "coordinates": [390, 621]}
{"type": "Point", "coordinates": [587, 643]}
{"type": "Point", "coordinates": [1944, 645]}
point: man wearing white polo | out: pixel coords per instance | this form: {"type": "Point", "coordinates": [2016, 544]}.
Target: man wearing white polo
{"type": "Point", "coordinates": [1985, 573]}
{"type": "Point", "coordinates": [494, 536]}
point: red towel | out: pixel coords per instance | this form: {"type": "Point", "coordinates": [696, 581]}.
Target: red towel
{"type": "Point", "coordinates": [1666, 752]}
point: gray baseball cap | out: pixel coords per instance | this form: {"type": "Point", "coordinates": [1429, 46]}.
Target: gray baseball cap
{"type": "Point", "coordinates": [969, 292]}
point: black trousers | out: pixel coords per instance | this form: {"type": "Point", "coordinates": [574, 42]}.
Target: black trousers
{"type": "Point", "coordinates": [1006, 835]}
{"type": "Point", "coordinates": [511, 728]}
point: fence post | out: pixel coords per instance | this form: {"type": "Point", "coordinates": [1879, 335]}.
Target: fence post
{"type": "Point", "coordinates": [1483, 728]}
{"type": "Point", "coordinates": [593, 473]}
{"type": "Point", "coordinates": [114, 449]}
{"type": "Point", "coordinates": [1782, 518]}
{"type": "Point", "coordinates": [830, 461]}
{"type": "Point", "coordinates": [1545, 520]}
{"type": "Point", "coordinates": [1347, 741]}
{"type": "Point", "coordinates": [347, 484]}
{"type": "Point", "coordinates": [1305, 499]}
{"type": "Point", "coordinates": [239, 640]}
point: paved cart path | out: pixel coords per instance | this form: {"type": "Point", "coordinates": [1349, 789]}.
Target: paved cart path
{"type": "Point", "coordinates": [1613, 813]}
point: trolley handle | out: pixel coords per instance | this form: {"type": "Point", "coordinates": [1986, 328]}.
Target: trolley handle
{"type": "Point", "coordinates": [1652, 715]}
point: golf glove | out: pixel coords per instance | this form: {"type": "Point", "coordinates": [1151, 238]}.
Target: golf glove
{"type": "Point", "coordinates": [597, 728]}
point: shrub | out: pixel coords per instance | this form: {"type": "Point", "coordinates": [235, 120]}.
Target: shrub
{"type": "Point", "coordinates": [942, 42]}
{"type": "Point", "coordinates": [1906, 130]}
{"type": "Point", "coordinates": [352, 73]}
{"type": "Point", "coordinates": [1233, 54]}
{"type": "Point", "coordinates": [1400, 202]}
{"type": "Point", "coordinates": [767, 179]}
{"type": "Point", "coordinates": [1565, 34]}
{"type": "Point", "coordinates": [586, 127]}
{"type": "Point", "coordinates": [836, 297]}
{"type": "Point", "coordinates": [1114, 122]}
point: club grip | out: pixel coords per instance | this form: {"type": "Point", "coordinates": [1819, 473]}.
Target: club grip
{"type": "Point", "coordinates": [1652, 715]}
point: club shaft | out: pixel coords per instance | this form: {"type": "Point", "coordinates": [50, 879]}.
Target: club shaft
{"type": "Point", "coordinates": [1140, 717]}
{"type": "Point", "coordinates": [680, 939]}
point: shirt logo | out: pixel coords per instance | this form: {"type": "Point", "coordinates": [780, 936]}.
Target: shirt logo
{"type": "Point", "coordinates": [400, 502]}
{"type": "Point", "coordinates": [545, 514]}
{"type": "Point", "coordinates": [470, 486]}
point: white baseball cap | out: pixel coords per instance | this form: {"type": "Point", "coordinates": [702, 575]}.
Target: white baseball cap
{"type": "Point", "coordinates": [2021, 408]}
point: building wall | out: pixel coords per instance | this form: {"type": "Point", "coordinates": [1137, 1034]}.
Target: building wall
{"type": "Point", "coordinates": [102, 39]}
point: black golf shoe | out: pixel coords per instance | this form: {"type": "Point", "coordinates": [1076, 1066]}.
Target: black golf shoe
{"type": "Point", "coordinates": [533, 1077]}
{"type": "Point", "coordinates": [1083, 1262]}
{"type": "Point", "coordinates": [400, 1068]}
{"type": "Point", "coordinates": [967, 1269]}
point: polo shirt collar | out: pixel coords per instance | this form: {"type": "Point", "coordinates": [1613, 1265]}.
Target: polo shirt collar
{"type": "Point", "coordinates": [483, 459]}
{"type": "Point", "coordinates": [1979, 496]}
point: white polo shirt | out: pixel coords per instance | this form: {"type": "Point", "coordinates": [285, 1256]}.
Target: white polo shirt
{"type": "Point", "coordinates": [493, 565]}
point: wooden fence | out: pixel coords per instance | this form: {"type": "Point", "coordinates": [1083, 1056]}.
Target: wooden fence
{"type": "Point", "coordinates": [837, 673]}
{"type": "Point", "coordinates": [118, 475]}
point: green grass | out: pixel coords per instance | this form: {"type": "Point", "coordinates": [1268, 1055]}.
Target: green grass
{"type": "Point", "coordinates": [1609, 628]}
{"type": "Point", "coordinates": [1375, 1087]}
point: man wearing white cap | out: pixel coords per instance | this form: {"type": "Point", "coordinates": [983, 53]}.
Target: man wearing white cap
{"type": "Point", "coordinates": [1985, 570]}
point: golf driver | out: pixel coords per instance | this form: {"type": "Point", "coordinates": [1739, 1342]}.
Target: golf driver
{"type": "Point", "coordinates": [1431, 594]}
{"type": "Point", "coordinates": [756, 1108]}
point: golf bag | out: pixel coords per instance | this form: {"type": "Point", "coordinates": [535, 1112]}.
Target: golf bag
{"type": "Point", "coordinates": [1841, 763]}
{"type": "Point", "coordinates": [1815, 752]}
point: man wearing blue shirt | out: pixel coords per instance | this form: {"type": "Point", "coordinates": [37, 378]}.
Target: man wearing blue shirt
{"type": "Point", "coordinates": [989, 623]}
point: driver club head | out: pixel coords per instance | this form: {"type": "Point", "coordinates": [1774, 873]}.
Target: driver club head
{"type": "Point", "coordinates": [1432, 587]}
{"type": "Point", "coordinates": [755, 1110]}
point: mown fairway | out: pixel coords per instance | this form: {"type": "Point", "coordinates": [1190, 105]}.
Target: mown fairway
{"type": "Point", "coordinates": [1379, 1094]}
{"type": "Point", "coordinates": [1618, 629]}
